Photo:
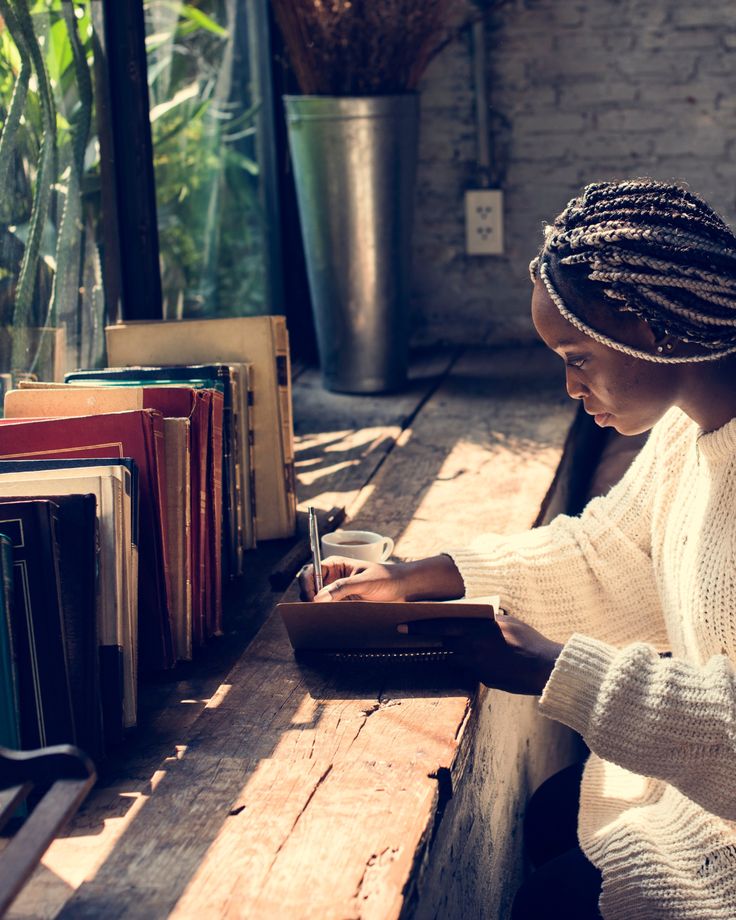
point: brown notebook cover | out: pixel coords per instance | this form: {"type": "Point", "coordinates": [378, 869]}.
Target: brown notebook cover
{"type": "Point", "coordinates": [362, 626]}
{"type": "Point", "coordinates": [138, 435]}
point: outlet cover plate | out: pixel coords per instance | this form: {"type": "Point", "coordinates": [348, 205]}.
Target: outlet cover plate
{"type": "Point", "coordinates": [484, 222]}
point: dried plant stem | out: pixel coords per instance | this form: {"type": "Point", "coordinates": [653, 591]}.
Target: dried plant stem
{"type": "Point", "coordinates": [362, 47]}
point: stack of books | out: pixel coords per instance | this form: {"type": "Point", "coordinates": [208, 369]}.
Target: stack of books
{"type": "Point", "coordinates": [127, 497]}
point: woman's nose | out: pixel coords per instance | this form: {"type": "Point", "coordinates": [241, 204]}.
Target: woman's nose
{"type": "Point", "coordinates": [575, 388]}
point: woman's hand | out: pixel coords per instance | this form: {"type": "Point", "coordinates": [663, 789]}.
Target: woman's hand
{"type": "Point", "coordinates": [352, 579]}
{"type": "Point", "coordinates": [503, 653]}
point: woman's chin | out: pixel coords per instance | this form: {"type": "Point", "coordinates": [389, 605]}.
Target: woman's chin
{"type": "Point", "coordinates": [624, 426]}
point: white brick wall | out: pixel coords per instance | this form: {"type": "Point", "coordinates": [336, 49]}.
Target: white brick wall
{"type": "Point", "coordinates": [589, 90]}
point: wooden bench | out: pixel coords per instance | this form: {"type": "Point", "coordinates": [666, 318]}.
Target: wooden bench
{"type": "Point", "coordinates": [259, 788]}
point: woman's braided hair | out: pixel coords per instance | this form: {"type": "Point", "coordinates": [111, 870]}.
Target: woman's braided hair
{"type": "Point", "coordinates": [656, 250]}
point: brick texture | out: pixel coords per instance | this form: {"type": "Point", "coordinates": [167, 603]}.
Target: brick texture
{"type": "Point", "coordinates": [579, 92]}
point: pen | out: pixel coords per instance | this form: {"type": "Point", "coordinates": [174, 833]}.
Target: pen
{"type": "Point", "coordinates": [314, 544]}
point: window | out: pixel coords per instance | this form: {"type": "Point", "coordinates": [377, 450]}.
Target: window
{"type": "Point", "coordinates": [211, 127]}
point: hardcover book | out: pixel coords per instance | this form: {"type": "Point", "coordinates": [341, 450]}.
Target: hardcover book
{"type": "Point", "coordinates": [115, 606]}
{"type": "Point", "coordinates": [138, 435]}
{"type": "Point", "coordinates": [200, 411]}
{"type": "Point", "coordinates": [261, 341]}
{"type": "Point", "coordinates": [215, 518]}
{"type": "Point", "coordinates": [37, 626]}
{"type": "Point", "coordinates": [77, 542]}
{"type": "Point", "coordinates": [177, 403]}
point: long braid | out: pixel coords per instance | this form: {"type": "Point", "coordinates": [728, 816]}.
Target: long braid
{"type": "Point", "coordinates": [656, 250]}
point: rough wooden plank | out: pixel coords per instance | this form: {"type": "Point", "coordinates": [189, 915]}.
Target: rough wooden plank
{"type": "Point", "coordinates": [479, 457]}
{"type": "Point", "coordinates": [342, 440]}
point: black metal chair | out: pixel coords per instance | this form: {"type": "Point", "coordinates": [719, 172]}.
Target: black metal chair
{"type": "Point", "coordinates": [59, 778]}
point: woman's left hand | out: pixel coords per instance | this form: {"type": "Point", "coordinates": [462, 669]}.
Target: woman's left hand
{"type": "Point", "coordinates": [503, 653]}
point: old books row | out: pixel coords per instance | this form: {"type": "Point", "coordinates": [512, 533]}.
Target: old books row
{"type": "Point", "coordinates": [163, 459]}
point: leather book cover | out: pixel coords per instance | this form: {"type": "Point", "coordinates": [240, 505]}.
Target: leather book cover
{"type": "Point", "coordinates": [9, 703]}
{"type": "Point", "coordinates": [37, 624]}
{"type": "Point", "coordinates": [362, 626]}
{"type": "Point", "coordinates": [258, 340]}
{"type": "Point", "coordinates": [77, 543]}
{"type": "Point", "coordinates": [138, 435]}
{"type": "Point", "coordinates": [116, 608]}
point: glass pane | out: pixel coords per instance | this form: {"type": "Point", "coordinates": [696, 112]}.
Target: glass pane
{"type": "Point", "coordinates": [205, 122]}
{"type": "Point", "coordinates": [52, 305]}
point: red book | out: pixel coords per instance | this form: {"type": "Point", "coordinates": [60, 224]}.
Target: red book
{"type": "Point", "coordinates": [138, 435]}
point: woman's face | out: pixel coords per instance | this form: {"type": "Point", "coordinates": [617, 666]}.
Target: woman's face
{"type": "Point", "coordinates": [621, 392]}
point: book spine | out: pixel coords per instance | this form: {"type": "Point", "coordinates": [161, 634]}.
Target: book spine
{"type": "Point", "coordinates": [215, 625]}
{"type": "Point", "coordinates": [229, 534]}
{"type": "Point", "coordinates": [52, 551]}
{"type": "Point", "coordinates": [200, 556]}
{"type": "Point", "coordinates": [9, 703]}
{"type": "Point", "coordinates": [157, 458]}
{"type": "Point", "coordinates": [237, 384]}
{"type": "Point", "coordinates": [286, 422]}
{"type": "Point", "coordinates": [251, 507]}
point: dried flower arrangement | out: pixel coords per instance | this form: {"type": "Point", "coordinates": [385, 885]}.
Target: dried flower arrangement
{"type": "Point", "coordinates": [362, 47]}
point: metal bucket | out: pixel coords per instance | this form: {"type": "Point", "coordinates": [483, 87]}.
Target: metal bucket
{"type": "Point", "coordinates": [354, 164]}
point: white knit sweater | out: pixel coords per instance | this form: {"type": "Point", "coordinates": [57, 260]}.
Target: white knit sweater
{"type": "Point", "coordinates": [650, 566]}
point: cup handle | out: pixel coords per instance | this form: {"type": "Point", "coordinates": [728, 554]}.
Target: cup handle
{"type": "Point", "coordinates": [388, 548]}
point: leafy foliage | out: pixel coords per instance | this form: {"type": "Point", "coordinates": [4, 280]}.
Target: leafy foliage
{"type": "Point", "coordinates": [204, 122]}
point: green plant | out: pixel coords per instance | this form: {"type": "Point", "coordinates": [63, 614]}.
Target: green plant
{"type": "Point", "coordinates": [211, 228]}
{"type": "Point", "coordinates": [46, 104]}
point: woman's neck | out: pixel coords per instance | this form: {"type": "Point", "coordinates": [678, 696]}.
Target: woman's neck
{"type": "Point", "coordinates": [709, 394]}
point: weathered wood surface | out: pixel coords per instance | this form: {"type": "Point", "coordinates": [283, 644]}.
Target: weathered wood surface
{"type": "Point", "coordinates": [343, 440]}
{"type": "Point", "coordinates": [316, 793]}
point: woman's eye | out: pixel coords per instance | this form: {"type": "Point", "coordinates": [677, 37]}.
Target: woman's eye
{"type": "Point", "coordinates": [574, 361]}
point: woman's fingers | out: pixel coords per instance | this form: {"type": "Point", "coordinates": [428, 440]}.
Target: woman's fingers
{"type": "Point", "coordinates": [333, 568]}
{"type": "Point", "coordinates": [344, 589]}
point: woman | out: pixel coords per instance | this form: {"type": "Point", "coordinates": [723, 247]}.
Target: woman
{"type": "Point", "coordinates": [635, 288]}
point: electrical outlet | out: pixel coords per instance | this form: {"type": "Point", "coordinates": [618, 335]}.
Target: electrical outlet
{"type": "Point", "coordinates": [484, 222]}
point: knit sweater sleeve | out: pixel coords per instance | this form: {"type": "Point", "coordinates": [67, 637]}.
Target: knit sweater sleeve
{"type": "Point", "coordinates": [654, 716]}
{"type": "Point", "coordinates": [591, 573]}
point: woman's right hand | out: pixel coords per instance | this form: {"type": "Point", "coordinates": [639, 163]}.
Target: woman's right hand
{"type": "Point", "coordinates": [353, 579]}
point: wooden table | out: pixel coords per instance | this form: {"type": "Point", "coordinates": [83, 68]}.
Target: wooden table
{"type": "Point", "coordinates": [259, 788]}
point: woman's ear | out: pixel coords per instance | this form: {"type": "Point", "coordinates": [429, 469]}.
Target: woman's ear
{"type": "Point", "coordinates": [663, 343]}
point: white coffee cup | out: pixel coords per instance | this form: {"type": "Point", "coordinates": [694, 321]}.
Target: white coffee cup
{"type": "Point", "coordinates": [357, 544]}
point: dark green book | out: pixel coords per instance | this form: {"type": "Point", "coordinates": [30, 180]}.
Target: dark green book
{"type": "Point", "coordinates": [9, 703]}
{"type": "Point", "coordinates": [37, 624]}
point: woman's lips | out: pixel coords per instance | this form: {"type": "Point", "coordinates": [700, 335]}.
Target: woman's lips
{"type": "Point", "coordinates": [602, 418]}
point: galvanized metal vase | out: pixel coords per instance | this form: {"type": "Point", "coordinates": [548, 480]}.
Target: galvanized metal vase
{"type": "Point", "coordinates": [354, 164]}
